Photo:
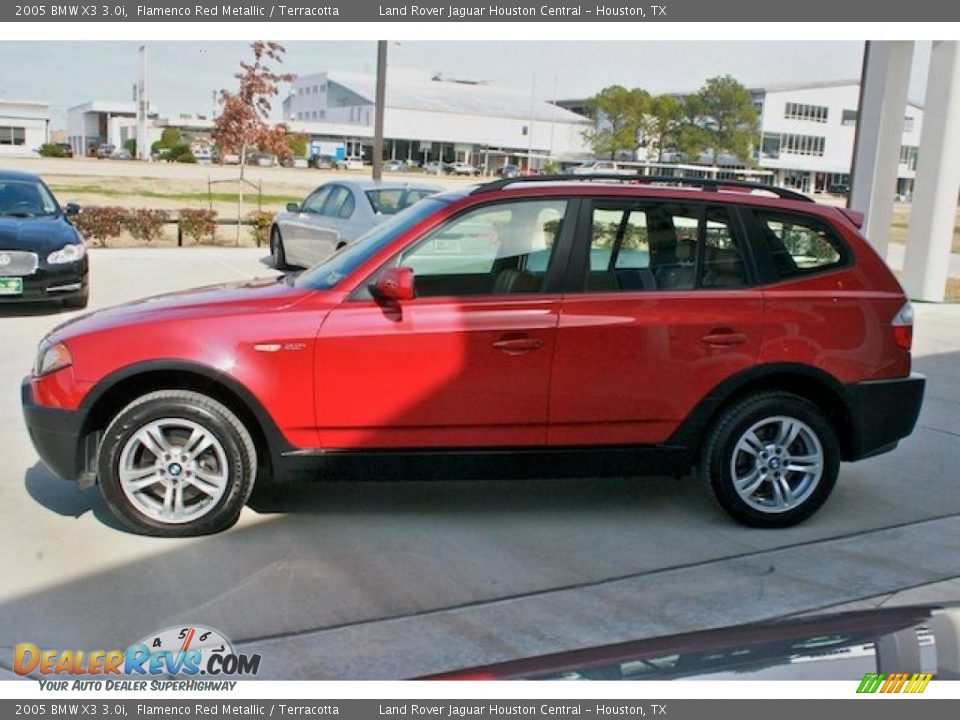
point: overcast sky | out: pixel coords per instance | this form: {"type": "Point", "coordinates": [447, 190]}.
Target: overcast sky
{"type": "Point", "coordinates": [183, 75]}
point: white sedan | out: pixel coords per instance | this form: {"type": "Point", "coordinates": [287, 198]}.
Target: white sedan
{"type": "Point", "coordinates": [335, 214]}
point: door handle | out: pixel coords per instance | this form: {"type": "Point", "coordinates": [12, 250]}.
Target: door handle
{"type": "Point", "coordinates": [518, 346]}
{"type": "Point", "coordinates": [724, 337]}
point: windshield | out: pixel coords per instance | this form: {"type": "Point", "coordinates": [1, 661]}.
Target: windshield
{"type": "Point", "coordinates": [390, 201]}
{"type": "Point", "coordinates": [26, 198]}
{"type": "Point", "coordinates": [326, 275]}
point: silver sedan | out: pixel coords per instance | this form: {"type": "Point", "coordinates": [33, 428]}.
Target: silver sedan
{"type": "Point", "coordinates": [335, 214]}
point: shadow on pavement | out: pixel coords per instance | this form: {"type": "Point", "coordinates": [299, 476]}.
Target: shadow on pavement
{"type": "Point", "coordinates": [32, 309]}
{"type": "Point", "coordinates": [63, 497]}
{"type": "Point", "coordinates": [330, 554]}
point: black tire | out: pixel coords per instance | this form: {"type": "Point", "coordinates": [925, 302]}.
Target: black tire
{"type": "Point", "coordinates": [77, 302]}
{"type": "Point", "coordinates": [216, 419]}
{"type": "Point", "coordinates": [717, 459]}
{"type": "Point", "coordinates": [276, 249]}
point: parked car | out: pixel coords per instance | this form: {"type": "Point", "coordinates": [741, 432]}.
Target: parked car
{"type": "Point", "coordinates": [226, 159]}
{"type": "Point", "coordinates": [105, 151]}
{"type": "Point", "coordinates": [349, 163]}
{"type": "Point", "coordinates": [598, 167]}
{"type": "Point", "coordinates": [42, 256]}
{"type": "Point", "coordinates": [262, 159]}
{"type": "Point", "coordinates": [834, 646]}
{"type": "Point", "coordinates": [202, 154]}
{"type": "Point", "coordinates": [296, 162]}
{"type": "Point", "coordinates": [335, 214]}
{"type": "Point", "coordinates": [322, 162]}
{"type": "Point", "coordinates": [839, 188]}
{"type": "Point", "coordinates": [509, 171]}
{"type": "Point", "coordinates": [394, 166]}
{"type": "Point", "coordinates": [121, 154]}
{"type": "Point", "coordinates": [591, 328]}
{"type": "Point", "coordinates": [434, 168]}
{"type": "Point", "coordinates": [67, 149]}
{"type": "Point", "coordinates": [462, 168]}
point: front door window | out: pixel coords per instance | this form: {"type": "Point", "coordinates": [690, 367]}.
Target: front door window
{"type": "Point", "coordinates": [499, 249]}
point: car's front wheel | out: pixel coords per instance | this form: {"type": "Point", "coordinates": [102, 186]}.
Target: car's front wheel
{"type": "Point", "coordinates": [176, 463]}
{"type": "Point", "coordinates": [771, 459]}
{"type": "Point", "coordinates": [277, 253]}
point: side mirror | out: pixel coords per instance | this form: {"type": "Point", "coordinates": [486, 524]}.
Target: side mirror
{"type": "Point", "coordinates": [293, 207]}
{"type": "Point", "coordinates": [72, 209]}
{"type": "Point", "coordinates": [394, 284]}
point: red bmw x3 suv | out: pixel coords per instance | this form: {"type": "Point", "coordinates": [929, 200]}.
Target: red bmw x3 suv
{"type": "Point", "coordinates": [572, 326]}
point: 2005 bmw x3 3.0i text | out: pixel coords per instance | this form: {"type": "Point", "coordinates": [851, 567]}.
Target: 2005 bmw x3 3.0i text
{"type": "Point", "coordinates": [559, 327]}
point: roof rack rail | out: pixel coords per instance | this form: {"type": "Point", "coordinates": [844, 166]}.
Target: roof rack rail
{"type": "Point", "coordinates": [707, 184]}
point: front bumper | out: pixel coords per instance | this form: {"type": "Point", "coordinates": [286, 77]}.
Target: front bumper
{"type": "Point", "coordinates": [56, 435]}
{"type": "Point", "coordinates": [52, 282]}
{"type": "Point", "coordinates": [882, 412]}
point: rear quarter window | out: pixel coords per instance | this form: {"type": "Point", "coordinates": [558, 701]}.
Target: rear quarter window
{"type": "Point", "coordinates": [800, 245]}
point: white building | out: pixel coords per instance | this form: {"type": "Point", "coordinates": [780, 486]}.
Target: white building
{"type": "Point", "coordinates": [430, 118]}
{"type": "Point", "coordinates": [100, 122]}
{"type": "Point", "coordinates": [24, 127]}
{"type": "Point", "coordinates": [808, 135]}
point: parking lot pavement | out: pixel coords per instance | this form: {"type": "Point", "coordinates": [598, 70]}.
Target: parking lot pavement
{"type": "Point", "coordinates": [361, 580]}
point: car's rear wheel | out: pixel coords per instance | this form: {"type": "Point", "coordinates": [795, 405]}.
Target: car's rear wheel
{"type": "Point", "coordinates": [176, 463]}
{"type": "Point", "coordinates": [771, 459]}
{"type": "Point", "coordinates": [277, 253]}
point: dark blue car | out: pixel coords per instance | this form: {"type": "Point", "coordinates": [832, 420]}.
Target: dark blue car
{"type": "Point", "coordinates": [42, 255]}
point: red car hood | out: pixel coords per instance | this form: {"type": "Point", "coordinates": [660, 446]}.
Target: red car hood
{"type": "Point", "coordinates": [243, 297]}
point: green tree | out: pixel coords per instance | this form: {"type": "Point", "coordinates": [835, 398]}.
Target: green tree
{"type": "Point", "coordinates": [665, 123]}
{"type": "Point", "coordinates": [727, 119]}
{"type": "Point", "coordinates": [130, 144]}
{"type": "Point", "coordinates": [620, 116]}
{"type": "Point", "coordinates": [297, 145]}
{"type": "Point", "coordinates": [170, 137]}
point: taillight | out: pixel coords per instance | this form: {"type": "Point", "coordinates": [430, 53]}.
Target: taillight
{"type": "Point", "coordinates": [902, 324]}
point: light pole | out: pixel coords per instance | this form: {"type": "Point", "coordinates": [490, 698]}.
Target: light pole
{"type": "Point", "coordinates": [381, 97]}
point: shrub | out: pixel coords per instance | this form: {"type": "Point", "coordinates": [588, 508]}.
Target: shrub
{"type": "Point", "coordinates": [297, 145]}
{"type": "Point", "coordinates": [100, 223]}
{"type": "Point", "coordinates": [52, 150]}
{"type": "Point", "coordinates": [170, 137]}
{"type": "Point", "coordinates": [130, 144]}
{"type": "Point", "coordinates": [145, 225]}
{"type": "Point", "coordinates": [179, 153]}
{"type": "Point", "coordinates": [198, 224]}
{"type": "Point", "coordinates": [260, 225]}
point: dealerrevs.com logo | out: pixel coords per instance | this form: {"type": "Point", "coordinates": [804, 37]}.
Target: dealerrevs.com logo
{"type": "Point", "coordinates": [180, 655]}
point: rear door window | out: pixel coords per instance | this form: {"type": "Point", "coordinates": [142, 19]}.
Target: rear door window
{"type": "Point", "coordinates": [662, 246]}
{"type": "Point", "coordinates": [798, 244]}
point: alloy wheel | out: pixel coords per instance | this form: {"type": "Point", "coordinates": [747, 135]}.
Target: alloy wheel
{"type": "Point", "coordinates": [173, 470]}
{"type": "Point", "coordinates": [777, 464]}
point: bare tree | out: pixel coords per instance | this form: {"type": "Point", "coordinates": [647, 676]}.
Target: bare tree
{"type": "Point", "coordinates": [243, 122]}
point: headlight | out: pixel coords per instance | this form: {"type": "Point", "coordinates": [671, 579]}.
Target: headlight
{"type": "Point", "coordinates": [67, 254]}
{"type": "Point", "coordinates": [51, 357]}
